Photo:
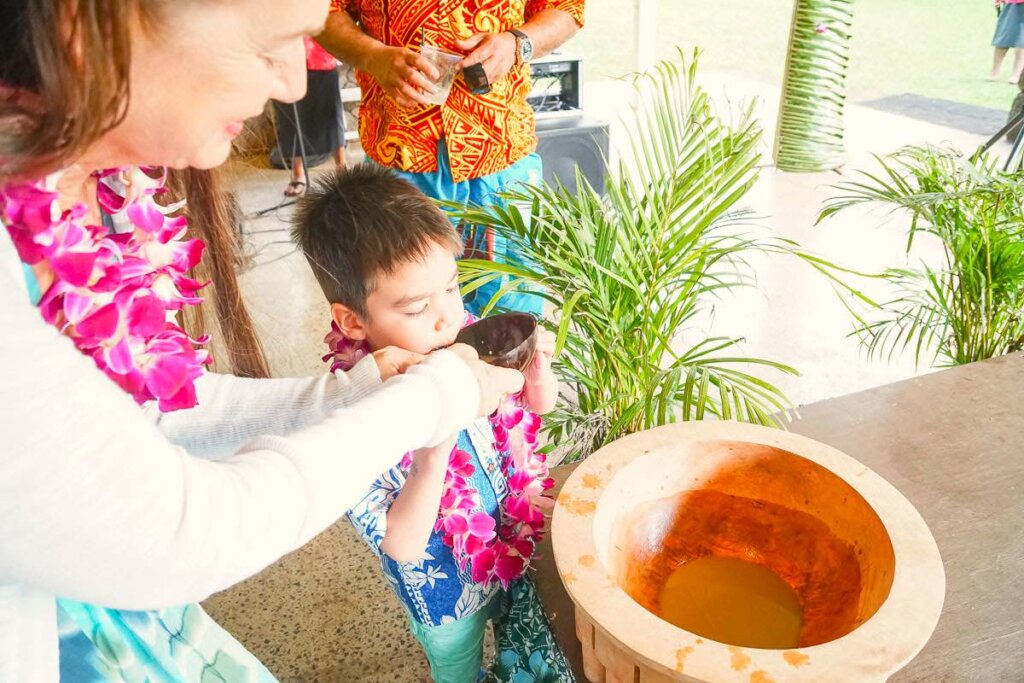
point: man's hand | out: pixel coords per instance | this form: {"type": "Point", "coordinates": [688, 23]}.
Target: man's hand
{"type": "Point", "coordinates": [496, 51]}
{"type": "Point", "coordinates": [403, 74]}
{"type": "Point", "coordinates": [392, 361]}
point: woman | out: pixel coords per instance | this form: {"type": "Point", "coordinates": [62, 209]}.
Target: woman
{"type": "Point", "coordinates": [317, 117]}
{"type": "Point", "coordinates": [1009, 34]}
{"type": "Point", "coordinates": [97, 503]}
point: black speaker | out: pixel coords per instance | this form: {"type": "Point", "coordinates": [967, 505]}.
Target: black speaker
{"type": "Point", "coordinates": [565, 144]}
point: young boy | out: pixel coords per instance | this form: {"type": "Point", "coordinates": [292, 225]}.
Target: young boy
{"type": "Point", "coordinates": [384, 255]}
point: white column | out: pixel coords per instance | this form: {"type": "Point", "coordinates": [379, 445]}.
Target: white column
{"type": "Point", "coordinates": [646, 28]}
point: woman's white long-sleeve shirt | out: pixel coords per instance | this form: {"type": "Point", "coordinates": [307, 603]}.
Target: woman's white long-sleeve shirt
{"type": "Point", "coordinates": [99, 503]}
{"type": "Point", "coordinates": [232, 410]}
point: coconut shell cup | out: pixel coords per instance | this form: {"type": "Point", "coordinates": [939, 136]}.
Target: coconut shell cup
{"type": "Point", "coordinates": [507, 340]}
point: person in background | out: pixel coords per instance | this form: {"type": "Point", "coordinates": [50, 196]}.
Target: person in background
{"type": "Point", "coordinates": [475, 146]}
{"type": "Point", "coordinates": [1009, 34]}
{"type": "Point", "coordinates": [318, 117]}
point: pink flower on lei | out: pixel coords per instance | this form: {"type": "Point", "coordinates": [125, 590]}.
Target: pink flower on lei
{"type": "Point", "coordinates": [344, 353]}
{"type": "Point", "coordinates": [494, 550]}
{"type": "Point", "coordinates": [116, 295]}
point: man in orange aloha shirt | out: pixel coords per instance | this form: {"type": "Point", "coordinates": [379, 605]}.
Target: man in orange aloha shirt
{"type": "Point", "coordinates": [473, 146]}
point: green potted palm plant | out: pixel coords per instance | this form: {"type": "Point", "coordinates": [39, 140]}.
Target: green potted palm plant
{"type": "Point", "coordinates": [967, 304]}
{"type": "Point", "coordinates": [632, 274]}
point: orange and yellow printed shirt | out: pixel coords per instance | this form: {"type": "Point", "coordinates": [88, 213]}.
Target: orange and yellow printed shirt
{"type": "Point", "coordinates": [484, 134]}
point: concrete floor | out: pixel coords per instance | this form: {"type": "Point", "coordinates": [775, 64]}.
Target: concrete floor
{"type": "Point", "coordinates": [323, 613]}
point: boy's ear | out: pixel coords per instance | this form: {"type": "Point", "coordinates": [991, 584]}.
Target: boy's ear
{"type": "Point", "coordinates": [348, 321]}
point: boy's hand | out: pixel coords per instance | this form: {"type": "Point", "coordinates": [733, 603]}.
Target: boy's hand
{"type": "Point", "coordinates": [541, 363]}
{"type": "Point", "coordinates": [541, 390]}
{"type": "Point", "coordinates": [392, 361]}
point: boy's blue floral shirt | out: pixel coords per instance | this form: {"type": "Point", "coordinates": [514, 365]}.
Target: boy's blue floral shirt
{"type": "Point", "coordinates": [433, 590]}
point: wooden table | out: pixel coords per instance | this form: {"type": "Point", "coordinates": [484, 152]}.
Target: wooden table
{"type": "Point", "coordinates": [953, 443]}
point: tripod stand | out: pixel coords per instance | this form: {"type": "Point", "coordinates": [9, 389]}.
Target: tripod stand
{"type": "Point", "coordinates": [302, 155]}
{"type": "Point", "coordinates": [1014, 157]}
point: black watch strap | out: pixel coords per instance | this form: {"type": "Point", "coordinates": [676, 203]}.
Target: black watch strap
{"type": "Point", "coordinates": [520, 37]}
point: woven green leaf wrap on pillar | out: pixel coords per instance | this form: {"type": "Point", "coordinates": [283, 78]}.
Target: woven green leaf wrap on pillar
{"type": "Point", "coordinates": [809, 136]}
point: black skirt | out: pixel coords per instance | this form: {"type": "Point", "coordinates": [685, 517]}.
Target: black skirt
{"type": "Point", "coordinates": [320, 119]}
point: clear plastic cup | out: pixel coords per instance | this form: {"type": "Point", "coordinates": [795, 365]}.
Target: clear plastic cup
{"type": "Point", "coordinates": [445, 63]}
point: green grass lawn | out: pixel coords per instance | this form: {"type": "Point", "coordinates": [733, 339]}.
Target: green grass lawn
{"type": "Point", "coordinates": [934, 48]}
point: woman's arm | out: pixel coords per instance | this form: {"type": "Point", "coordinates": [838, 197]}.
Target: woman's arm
{"type": "Point", "coordinates": [97, 505]}
{"type": "Point", "coordinates": [232, 410]}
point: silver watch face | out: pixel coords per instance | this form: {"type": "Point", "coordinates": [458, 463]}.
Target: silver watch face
{"type": "Point", "coordinates": [526, 49]}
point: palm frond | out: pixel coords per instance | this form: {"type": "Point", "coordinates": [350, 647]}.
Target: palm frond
{"type": "Point", "coordinates": [631, 274]}
{"type": "Point", "coordinates": [967, 307]}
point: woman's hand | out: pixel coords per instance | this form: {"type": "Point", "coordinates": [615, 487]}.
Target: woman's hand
{"type": "Point", "coordinates": [403, 74]}
{"type": "Point", "coordinates": [495, 383]}
{"type": "Point", "coordinates": [392, 361]}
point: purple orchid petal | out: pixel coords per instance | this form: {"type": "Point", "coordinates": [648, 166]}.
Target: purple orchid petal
{"type": "Point", "coordinates": [119, 358]}
{"type": "Point", "coordinates": [166, 376]}
{"type": "Point", "coordinates": [101, 324]}
{"type": "Point", "coordinates": [482, 564]}
{"type": "Point", "coordinates": [146, 316]}
{"type": "Point", "coordinates": [456, 524]}
{"type": "Point", "coordinates": [109, 281]}
{"type": "Point", "coordinates": [76, 306]}
{"type": "Point", "coordinates": [481, 525]}
{"type": "Point", "coordinates": [524, 547]}
{"type": "Point", "coordinates": [109, 201]}
{"type": "Point", "coordinates": [509, 568]}
{"type": "Point", "coordinates": [471, 544]}
{"type": "Point", "coordinates": [132, 382]}
{"type": "Point", "coordinates": [183, 399]}
{"type": "Point", "coordinates": [74, 266]}
{"type": "Point", "coordinates": [187, 254]}
{"type": "Point", "coordinates": [145, 216]}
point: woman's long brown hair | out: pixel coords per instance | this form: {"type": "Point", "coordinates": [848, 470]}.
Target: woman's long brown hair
{"type": "Point", "coordinates": [213, 216]}
{"type": "Point", "coordinates": [64, 67]}
{"type": "Point", "coordinates": [64, 82]}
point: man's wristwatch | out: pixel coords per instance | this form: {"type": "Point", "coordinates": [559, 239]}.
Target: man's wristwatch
{"type": "Point", "coordinates": [524, 47]}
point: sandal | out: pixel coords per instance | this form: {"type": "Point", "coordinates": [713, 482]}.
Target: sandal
{"type": "Point", "coordinates": [295, 188]}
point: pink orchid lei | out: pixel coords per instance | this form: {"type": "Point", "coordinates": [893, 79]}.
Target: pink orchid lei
{"type": "Point", "coordinates": [116, 295]}
{"type": "Point", "coordinates": [493, 551]}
